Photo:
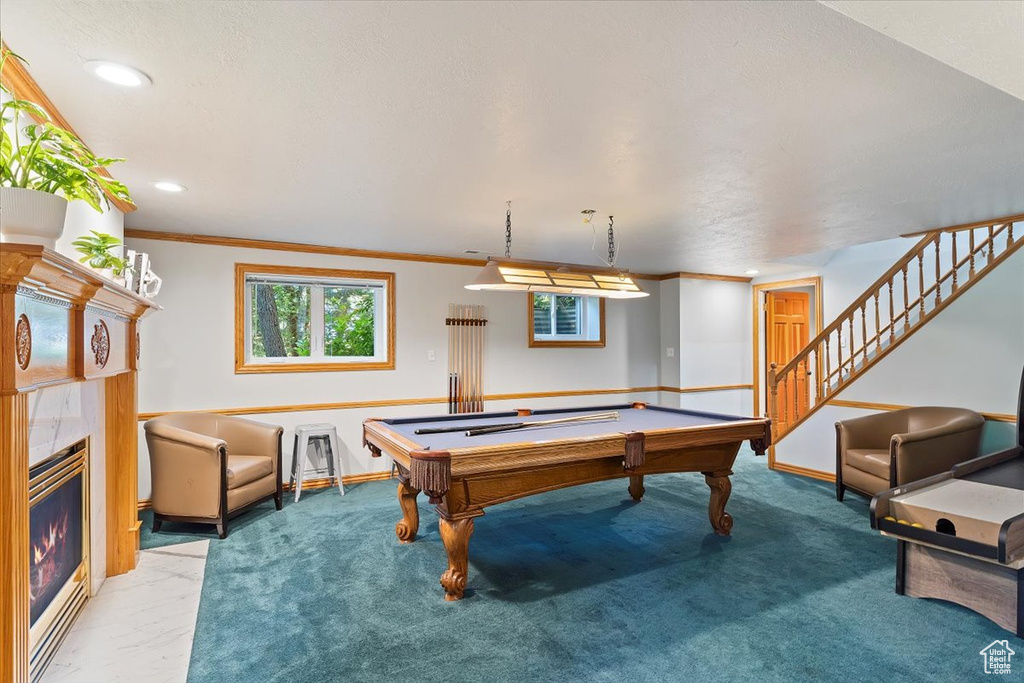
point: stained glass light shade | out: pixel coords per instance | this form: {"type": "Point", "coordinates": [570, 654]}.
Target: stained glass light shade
{"type": "Point", "coordinates": [556, 278]}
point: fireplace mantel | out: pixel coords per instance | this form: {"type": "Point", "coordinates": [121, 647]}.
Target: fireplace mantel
{"type": "Point", "coordinates": [59, 323]}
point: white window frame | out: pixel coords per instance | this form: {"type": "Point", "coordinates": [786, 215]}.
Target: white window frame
{"type": "Point", "coordinates": [590, 311]}
{"type": "Point", "coordinates": [317, 279]}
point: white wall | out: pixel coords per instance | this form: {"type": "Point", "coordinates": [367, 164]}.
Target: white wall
{"type": "Point", "coordinates": [668, 373]}
{"type": "Point", "coordinates": [187, 360]}
{"type": "Point", "coordinates": [714, 333]}
{"type": "Point", "coordinates": [708, 323]}
{"type": "Point", "coordinates": [970, 356]}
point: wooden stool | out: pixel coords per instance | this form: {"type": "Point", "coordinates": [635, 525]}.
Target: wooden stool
{"type": "Point", "coordinates": [319, 436]}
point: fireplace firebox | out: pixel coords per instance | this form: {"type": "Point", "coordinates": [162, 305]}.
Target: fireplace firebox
{"type": "Point", "coordinates": [58, 550]}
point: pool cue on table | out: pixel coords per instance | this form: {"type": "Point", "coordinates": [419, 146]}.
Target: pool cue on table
{"type": "Point", "coordinates": [496, 429]}
{"type": "Point", "coordinates": [593, 417]}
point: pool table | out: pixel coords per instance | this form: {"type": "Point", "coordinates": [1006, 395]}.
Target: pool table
{"type": "Point", "coordinates": [464, 474]}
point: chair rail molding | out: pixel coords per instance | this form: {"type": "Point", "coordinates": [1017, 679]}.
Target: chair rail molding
{"type": "Point", "coordinates": [386, 403]}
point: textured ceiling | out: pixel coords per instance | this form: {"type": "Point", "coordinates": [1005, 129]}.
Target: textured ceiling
{"type": "Point", "coordinates": [983, 38]}
{"type": "Point", "coordinates": [722, 136]}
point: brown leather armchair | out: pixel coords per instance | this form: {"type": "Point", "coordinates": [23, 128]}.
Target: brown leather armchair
{"type": "Point", "coordinates": [879, 452]}
{"type": "Point", "coordinates": [207, 468]}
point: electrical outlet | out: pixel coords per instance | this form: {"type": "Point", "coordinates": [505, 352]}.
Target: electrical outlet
{"type": "Point", "coordinates": [430, 355]}
{"type": "Point", "coordinates": [670, 352]}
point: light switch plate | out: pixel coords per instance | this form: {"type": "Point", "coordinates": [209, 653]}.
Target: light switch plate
{"type": "Point", "coordinates": [430, 355]}
{"type": "Point", "coordinates": [670, 352]}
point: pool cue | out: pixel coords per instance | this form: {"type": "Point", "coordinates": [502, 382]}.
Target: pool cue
{"type": "Point", "coordinates": [593, 417]}
{"type": "Point", "coordinates": [459, 378]}
{"type": "Point", "coordinates": [459, 330]}
{"type": "Point", "coordinates": [465, 350]}
{"type": "Point", "coordinates": [476, 379]}
{"type": "Point", "coordinates": [479, 358]}
{"type": "Point", "coordinates": [451, 379]}
{"type": "Point", "coordinates": [496, 429]}
{"type": "Point", "coordinates": [464, 385]}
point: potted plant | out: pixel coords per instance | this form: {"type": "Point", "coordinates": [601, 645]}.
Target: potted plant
{"type": "Point", "coordinates": [96, 250]}
{"type": "Point", "coordinates": [42, 168]}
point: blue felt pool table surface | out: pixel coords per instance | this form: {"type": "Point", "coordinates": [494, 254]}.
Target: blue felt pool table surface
{"type": "Point", "coordinates": [631, 419]}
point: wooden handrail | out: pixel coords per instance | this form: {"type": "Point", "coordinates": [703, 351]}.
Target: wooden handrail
{"type": "Point", "coordinates": [969, 226]}
{"type": "Point", "coordinates": [999, 226]}
{"type": "Point", "coordinates": [864, 351]}
{"type": "Point", "coordinates": [855, 306]}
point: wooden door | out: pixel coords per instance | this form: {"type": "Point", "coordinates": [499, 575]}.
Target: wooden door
{"type": "Point", "coordinates": [788, 324]}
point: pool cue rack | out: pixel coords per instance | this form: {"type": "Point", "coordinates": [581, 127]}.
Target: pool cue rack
{"type": "Point", "coordinates": [465, 324]}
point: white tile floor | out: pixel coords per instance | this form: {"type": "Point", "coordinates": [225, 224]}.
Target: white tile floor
{"type": "Point", "coordinates": [139, 627]}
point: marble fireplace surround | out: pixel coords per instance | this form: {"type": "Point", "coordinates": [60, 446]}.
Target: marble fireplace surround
{"type": "Point", "coordinates": [67, 371]}
{"type": "Point", "coordinates": [58, 417]}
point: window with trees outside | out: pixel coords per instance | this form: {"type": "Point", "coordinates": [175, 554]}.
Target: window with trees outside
{"type": "Point", "coordinates": [294, 319]}
{"type": "Point", "coordinates": [565, 320]}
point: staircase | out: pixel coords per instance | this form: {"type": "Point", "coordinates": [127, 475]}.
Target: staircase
{"type": "Point", "coordinates": [944, 264]}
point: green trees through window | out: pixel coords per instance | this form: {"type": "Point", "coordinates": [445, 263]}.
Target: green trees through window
{"type": "Point", "coordinates": [312, 320]}
{"type": "Point", "coordinates": [348, 322]}
{"type": "Point", "coordinates": [280, 320]}
{"type": "Point", "coordinates": [566, 318]}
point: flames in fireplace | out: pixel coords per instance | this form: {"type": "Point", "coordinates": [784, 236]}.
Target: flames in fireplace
{"type": "Point", "coordinates": [55, 538]}
{"type": "Point", "coordinates": [48, 556]}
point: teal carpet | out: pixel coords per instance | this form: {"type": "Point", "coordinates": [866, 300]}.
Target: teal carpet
{"type": "Point", "coordinates": [577, 585]}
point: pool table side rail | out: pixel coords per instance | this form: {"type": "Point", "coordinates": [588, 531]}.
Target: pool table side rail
{"type": "Point", "coordinates": [525, 412]}
{"type": "Point", "coordinates": [524, 454]}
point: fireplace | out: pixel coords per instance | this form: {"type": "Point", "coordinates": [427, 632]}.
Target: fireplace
{"type": "Point", "coordinates": [58, 550]}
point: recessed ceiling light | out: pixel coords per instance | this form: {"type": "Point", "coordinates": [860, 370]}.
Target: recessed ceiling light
{"type": "Point", "coordinates": [169, 186]}
{"type": "Point", "coordinates": [752, 271]}
{"type": "Point", "coordinates": [118, 74]}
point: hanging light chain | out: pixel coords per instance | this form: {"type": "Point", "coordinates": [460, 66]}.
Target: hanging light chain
{"type": "Point", "coordinates": [611, 240]}
{"type": "Point", "coordinates": [508, 230]}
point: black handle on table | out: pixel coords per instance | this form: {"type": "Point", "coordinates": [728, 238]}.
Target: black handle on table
{"type": "Point", "coordinates": [494, 429]}
{"type": "Point", "coordinates": [461, 428]}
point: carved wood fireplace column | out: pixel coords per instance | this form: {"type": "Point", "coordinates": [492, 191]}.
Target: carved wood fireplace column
{"type": "Point", "coordinates": [14, 560]}
{"type": "Point", "coordinates": [122, 423]}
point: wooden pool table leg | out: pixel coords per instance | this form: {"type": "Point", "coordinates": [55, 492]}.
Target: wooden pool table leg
{"type": "Point", "coordinates": [636, 486]}
{"type": "Point", "coordinates": [721, 487]}
{"type": "Point", "coordinates": [407, 527]}
{"type": "Point", "coordinates": [455, 535]}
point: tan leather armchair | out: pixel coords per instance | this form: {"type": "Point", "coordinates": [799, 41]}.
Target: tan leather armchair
{"type": "Point", "coordinates": [207, 468]}
{"type": "Point", "coordinates": [879, 452]}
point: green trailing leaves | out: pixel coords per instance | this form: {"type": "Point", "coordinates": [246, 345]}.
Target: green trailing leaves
{"type": "Point", "coordinates": [40, 155]}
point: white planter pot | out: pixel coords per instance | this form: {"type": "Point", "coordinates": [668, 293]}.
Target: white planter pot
{"type": "Point", "coordinates": [31, 217]}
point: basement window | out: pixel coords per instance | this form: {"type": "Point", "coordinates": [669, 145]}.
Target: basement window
{"type": "Point", "coordinates": [293, 319]}
{"type": "Point", "coordinates": [565, 320]}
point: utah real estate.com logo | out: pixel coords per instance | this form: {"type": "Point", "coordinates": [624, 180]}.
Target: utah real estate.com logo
{"type": "Point", "coordinates": [997, 657]}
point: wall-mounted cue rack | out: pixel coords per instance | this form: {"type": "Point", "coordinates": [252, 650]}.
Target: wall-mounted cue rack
{"type": "Point", "coordinates": [465, 358]}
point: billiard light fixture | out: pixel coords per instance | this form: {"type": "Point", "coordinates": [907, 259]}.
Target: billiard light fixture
{"type": "Point", "coordinates": [118, 74]}
{"type": "Point", "coordinates": [511, 275]}
{"type": "Point", "coordinates": [508, 275]}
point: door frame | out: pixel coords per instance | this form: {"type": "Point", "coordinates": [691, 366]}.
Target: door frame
{"type": "Point", "coordinates": [761, 339]}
